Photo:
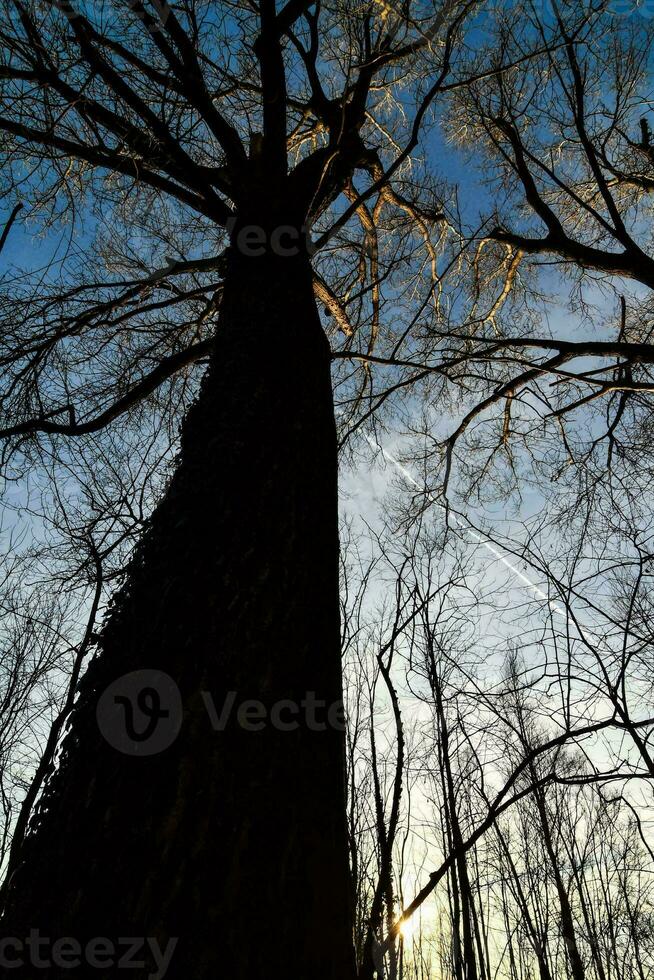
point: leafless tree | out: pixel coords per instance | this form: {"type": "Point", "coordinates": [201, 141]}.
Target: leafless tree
{"type": "Point", "coordinates": [241, 181]}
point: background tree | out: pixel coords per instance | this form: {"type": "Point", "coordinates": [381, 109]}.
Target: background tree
{"type": "Point", "coordinates": [538, 786]}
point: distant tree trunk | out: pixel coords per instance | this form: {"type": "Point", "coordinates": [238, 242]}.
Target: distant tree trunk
{"type": "Point", "coordinates": [463, 899]}
{"type": "Point", "coordinates": [568, 930]}
{"type": "Point", "coordinates": [233, 841]}
{"type": "Point", "coordinates": [538, 941]}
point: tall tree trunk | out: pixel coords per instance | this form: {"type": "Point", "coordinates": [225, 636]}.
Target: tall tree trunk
{"type": "Point", "coordinates": [568, 929]}
{"type": "Point", "coordinates": [538, 940]}
{"type": "Point", "coordinates": [233, 841]}
{"type": "Point", "coordinates": [461, 890]}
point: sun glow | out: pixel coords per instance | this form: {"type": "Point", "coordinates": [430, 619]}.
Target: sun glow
{"type": "Point", "coordinates": [406, 927]}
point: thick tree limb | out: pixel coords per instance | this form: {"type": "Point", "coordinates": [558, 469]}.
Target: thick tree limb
{"type": "Point", "coordinates": [164, 370]}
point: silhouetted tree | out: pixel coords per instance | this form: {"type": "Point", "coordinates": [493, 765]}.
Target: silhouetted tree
{"type": "Point", "coordinates": [219, 135]}
{"type": "Point", "coordinates": [232, 164]}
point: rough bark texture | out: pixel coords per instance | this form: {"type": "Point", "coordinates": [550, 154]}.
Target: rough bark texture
{"type": "Point", "coordinates": [235, 842]}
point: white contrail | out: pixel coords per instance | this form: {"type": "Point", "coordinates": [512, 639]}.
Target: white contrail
{"type": "Point", "coordinates": [480, 539]}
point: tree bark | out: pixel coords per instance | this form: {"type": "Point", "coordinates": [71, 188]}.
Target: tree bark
{"type": "Point", "coordinates": [235, 841]}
